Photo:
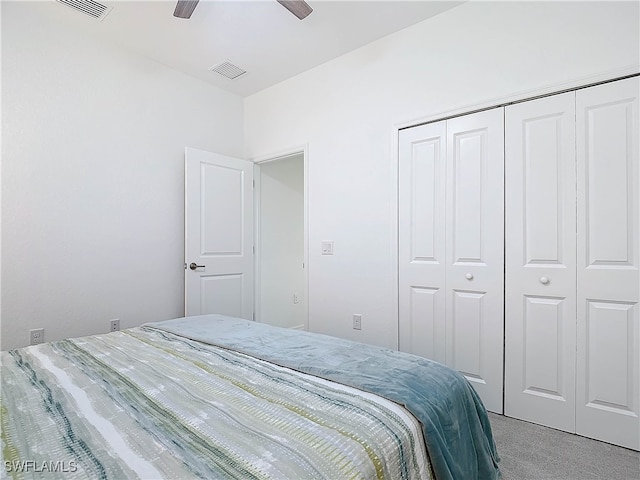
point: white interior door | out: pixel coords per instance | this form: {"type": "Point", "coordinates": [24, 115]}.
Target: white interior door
{"type": "Point", "coordinates": [475, 252]}
{"type": "Point", "coordinates": [421, 242]}
{"type": "Point", "coordinates": [540, 317]}
{"type": "Point", "coordinates": [218, 234]}
{"type": "Point", "coordinates": [608, 355]}
{"type": "Point", "coordinates": [451, 247]}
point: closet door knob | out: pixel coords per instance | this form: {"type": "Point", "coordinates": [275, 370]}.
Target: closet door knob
{"type": "Point", "coordinates": [469, 276]}
{"type": "Point", "coordinates": [193, 266]}
{"type": "Point", "coordinates": [544, 280]}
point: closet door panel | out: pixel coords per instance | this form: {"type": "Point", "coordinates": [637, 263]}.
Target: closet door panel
{"type": "Point", "coordinates": [540, 317]}
{"type": "Point", "coordinates": [421, 240]}
{"type": "Point", "coordinates": [610, 323]}
{"type": "Point", "coordinates": [542, 359]}
{"type": "Point", "coordinates": [475, 251]}
{"type": "Point", "coordinates": [468, 329]}
{"type": "Point", "coordinates": [608, 368]}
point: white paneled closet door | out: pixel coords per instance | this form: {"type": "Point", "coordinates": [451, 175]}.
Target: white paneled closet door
{"type": "Point", "coordinates": [451, 241]}
{"type": "Point", "coordinates": [608, 347]}
{"type": "Point", "coordinates": [540, 307]}
{"type": "Point", "coordinates": [421, 243]}
{"type": "Point", "coordinates": [475, 252]}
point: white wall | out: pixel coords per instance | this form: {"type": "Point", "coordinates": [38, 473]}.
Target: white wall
{"type": "Point", "coordinates": [282, 242]}
{"type": "Point", "coordinates": [345, 110]}
{"type": "Point", "coordinates": [93, 145]}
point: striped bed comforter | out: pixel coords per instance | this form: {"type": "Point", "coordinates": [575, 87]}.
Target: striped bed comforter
{"type": "Point", "coordinates": [147, 403]}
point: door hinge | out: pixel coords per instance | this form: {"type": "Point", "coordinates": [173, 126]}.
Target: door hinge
{"type": "Point", "coordinates": [254, 249]}
{"type": "Point", "coordinates": [253, 182]}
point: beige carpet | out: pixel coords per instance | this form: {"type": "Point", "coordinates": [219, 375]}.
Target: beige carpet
{"type": "Point", "coordinates": [533, 452]}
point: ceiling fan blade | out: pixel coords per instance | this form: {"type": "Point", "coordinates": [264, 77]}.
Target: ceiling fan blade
{"type": "Point", "coordinates": [299, 8]}
{"type": "Point", "coordinates": [184, 8]}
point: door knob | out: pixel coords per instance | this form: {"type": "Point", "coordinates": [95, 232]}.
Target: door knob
{"type": "Point", "coordinates": [469, 276]}
{"type": "Point", "coordinates": [193, 266]}
{"type": "Point", "coordinates": [544, 280]}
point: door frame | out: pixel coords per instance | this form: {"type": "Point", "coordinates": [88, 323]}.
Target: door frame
{"type": "Point", "coordinates": [304, 151]}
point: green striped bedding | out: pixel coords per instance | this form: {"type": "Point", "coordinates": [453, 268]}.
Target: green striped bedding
{"type": "Point", "coordinates": [147, 403]}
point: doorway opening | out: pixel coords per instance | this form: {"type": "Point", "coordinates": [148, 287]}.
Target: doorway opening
{"type": "Point", "coordinates": [281, 281]}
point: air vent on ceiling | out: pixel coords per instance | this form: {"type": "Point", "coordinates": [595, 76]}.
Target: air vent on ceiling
{"type": "Point", "coordinates": [228, 69]}
{"type": "Point", "coordinates": [88, 7]}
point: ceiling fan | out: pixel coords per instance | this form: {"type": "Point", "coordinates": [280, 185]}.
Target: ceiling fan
{"type": "Point", "coordinates": [300, 8]}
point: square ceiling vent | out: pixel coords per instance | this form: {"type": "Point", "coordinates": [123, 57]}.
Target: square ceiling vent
{"type": "Point", "coordinates": [228, 69]}
{"type": "Point", "coordinates": [88, 7]}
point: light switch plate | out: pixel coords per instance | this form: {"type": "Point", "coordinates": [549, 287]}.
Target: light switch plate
{"type": "Point", "coordinates": [327, 247]}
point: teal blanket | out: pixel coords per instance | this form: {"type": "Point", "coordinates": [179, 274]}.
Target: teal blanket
{"type": "Point", "coordinates": [455, 424]}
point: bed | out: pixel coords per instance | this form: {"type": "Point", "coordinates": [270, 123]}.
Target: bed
{"type": "Point", "coordinates": [220, 397]}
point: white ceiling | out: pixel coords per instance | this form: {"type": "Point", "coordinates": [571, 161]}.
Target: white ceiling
{"type": "Point", "coordinates": [260, 36]}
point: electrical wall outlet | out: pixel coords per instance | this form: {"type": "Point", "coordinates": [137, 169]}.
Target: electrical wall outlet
{"type": "Point", "coordinates": [115, 324]}
{"type": "Point", "coordinates": [357, 321]}
{"type": "Point", "coordinates": [36, 336]}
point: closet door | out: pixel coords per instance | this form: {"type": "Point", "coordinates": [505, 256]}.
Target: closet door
{"type": "Point", "coordinates": [475, 251]}
{"type": "Point", "coordinates": [540, 316]}
{"type": "Point", "coordinates": [608, 361]}
{"type": "Point", "coordinates": [421, 250]}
